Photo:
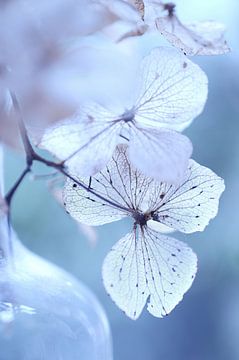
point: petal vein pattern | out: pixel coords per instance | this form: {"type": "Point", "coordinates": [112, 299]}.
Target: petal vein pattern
{"type": "Point", "coordinates": [173, 90]}
{"type": "Point", "coordinates": [145, 264]}
{"type": "Point", "coordinates": [190, 206]}
{"type": "Point", "coordinates": [85, 142]}
{"type": "Point", "coordinates": [118, 182]}
{"type": "Point", "coordinates": [199, 38]}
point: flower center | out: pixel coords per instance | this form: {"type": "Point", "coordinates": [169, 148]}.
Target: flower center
{"type": "Point", "coordinates": [141, 219]}
{"type": "Point", "coordinates": [128, 116]}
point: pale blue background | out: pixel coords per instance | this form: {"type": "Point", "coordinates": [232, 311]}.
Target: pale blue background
{"type": "Point", "coordinates": [205, 326]}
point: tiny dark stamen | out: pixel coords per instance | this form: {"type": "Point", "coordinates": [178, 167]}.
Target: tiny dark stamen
{"type": "Point", "coordinates": [170, 8]}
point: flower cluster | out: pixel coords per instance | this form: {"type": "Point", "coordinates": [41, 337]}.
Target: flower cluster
{"type": "Point", "coordinates": [150, 177]}
{"type": "Point", "coordinates": [170, 93]}
{"type": "Point", "coordinates": [117, 129]}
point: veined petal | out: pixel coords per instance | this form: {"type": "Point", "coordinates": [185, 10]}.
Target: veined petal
{"type": "Point", "coordinates": [91, 207]}
{"type": "Point", "coordinates": [119, 186]}
{"type": "Point", "coordinates": [173, 90]}
{"type": "Point", "coordinates": [162, 155]}
{"type": "Point", "coordinates": [120, 189]}
{"type": "Point", "coordinates": [146, 265]}
{"type": "Point", "coordinates": [159, 227]}
{"type": "Point", "coordinates": [189, 206]}
{"type": "Point", "coordinates": [199, 38]}
{"type": "Point", "coordinates": [85, 142]}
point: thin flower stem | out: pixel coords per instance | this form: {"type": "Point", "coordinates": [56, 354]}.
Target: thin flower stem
{"type": "Point", "coordinates": [25, 139]}
{"type": "Point", "coordinates": [60, 167]}
{"type": "Point", "coordinates": [89, 189]}
{"type": "Point", "coordinates": [11, 192]}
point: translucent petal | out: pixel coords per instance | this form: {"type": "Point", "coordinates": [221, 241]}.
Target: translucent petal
{"type": "Point", "coordinates": [88, 208]}
{"type": "Point", "coordinates": [201, 38]}
{"type": "Point", "coordinates": [121, 187]}
{"type": "Point", "coordinates": [152, 10]}
{"type": "Point", "coordinates": [190, 206]}
{"type": "Point", "coordinates": [159, 227]}
{"type": "Point", "coordinates": [173, 90]}
{"type": "Point", "coordinates": [143, 265]}
{"type": "Point", "coordinates": [162, 155]}
{"type": "Point", "coordinates": [91, 139]}
{"type": "Point", "coordinates": [123, 190]}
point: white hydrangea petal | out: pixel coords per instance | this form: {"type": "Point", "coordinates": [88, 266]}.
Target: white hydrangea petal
{"type": "Point", "coordinates": [125, 183]}
{"type": "Point", "coordinates": [211, 34]}
{"type": "Point", "coordinates": [88, 208]}
{"type": "Point", "coordinates": [173, 90]}
{"type": "Point", "coordinates": [199, 38]}
{"type": "Point", "coordinates": [189, 206]}
{"type": "Point", "coordinates": [162, 155]}
{"type": "Point", "coordinates": [145, 264]}
{"type": "Point", "coordinates": [159, 227]}
{"type": "Point", "coordinates": [119, 183]}
{"type": "Point", "coordinates": [91, 139]}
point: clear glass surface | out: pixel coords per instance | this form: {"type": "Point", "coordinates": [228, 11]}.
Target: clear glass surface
{"type": "Point", "coordinates": [46, 314]}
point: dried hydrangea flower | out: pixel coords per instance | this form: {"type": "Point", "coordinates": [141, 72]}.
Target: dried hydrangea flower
{"type": "Point", "coordinates": [199, 38]}
{"type": "Point", "coordinates": [146, 266]}
{"type": "Point", "coordinates": [172, 91]}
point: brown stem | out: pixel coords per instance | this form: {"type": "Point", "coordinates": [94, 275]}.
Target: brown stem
{"type": "Point", "coordinates": [11, 192]}
{"type": "Point", "coordinates": [25, 139]}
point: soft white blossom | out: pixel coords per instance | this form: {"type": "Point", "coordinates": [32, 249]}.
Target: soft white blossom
{"type": "Point", "coordinates": [171, 92]}
{"type": "Point", "coordinates": [146, 266]}
{"type": "Point", "coordinates": [198, 38]}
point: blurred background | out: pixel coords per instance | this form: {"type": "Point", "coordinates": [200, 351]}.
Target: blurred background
{"type": "Point", "coordinates": [205, 325]}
